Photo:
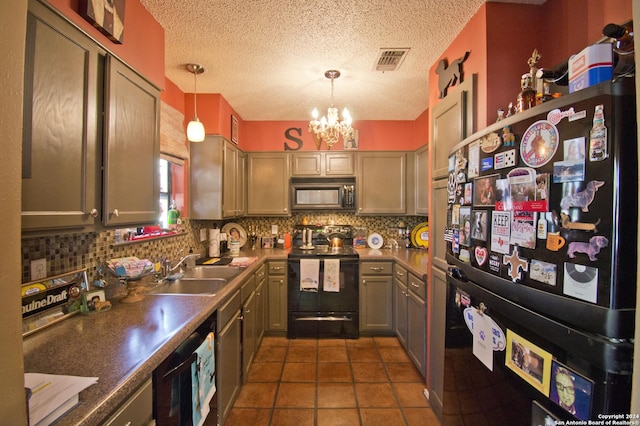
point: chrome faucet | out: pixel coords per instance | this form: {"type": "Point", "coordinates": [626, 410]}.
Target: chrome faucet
{"type": "Point", "coordinates": [169, 269]}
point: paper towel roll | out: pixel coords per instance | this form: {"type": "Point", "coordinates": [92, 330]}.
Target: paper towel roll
{"type": "Point", "coordinates": [214, 242]}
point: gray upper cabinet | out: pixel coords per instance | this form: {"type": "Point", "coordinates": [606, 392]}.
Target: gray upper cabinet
{"type": "Point", "coordinates": [60, 137]}
{"type": "Point", "coordinates": [217, 179]}
{"type": "Point", "coordinates": [268, 184]}
{"type": "Point", "coordinates": [422, 180]}
{"type": "Point", "coordinates": [131, 149]}
{"type": "Point", "coordinates": [382, 183]}
{"type": "Point", "coordinates": [452, 121]}
{"type": "Point", "coordinates": [322, 164]}
{"type": "Point", "coordinates": [91, 128]}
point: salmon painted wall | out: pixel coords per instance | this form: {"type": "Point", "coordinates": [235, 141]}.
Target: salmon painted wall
{"type": "Point", "coordinates": [502, 36]}
{"type": "Point", "coordinates": [142, 46]}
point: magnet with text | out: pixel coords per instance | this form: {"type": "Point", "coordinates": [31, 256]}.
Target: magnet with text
{"type": "Point", "coordinates": [583, 198]}
{"type": "Point", "coordinates": [555, 116]}
{"type": "Point", "coordinates": [494, 263]}
{"type": "Point", "coordinates": [524, 229]}
{"type": "Point", "coordinates": [486, 164]}
{"type": "Point", "coordinates": [500, 231]}
{"type": "Point", "coordinates": [590, 248]}
{"type": "Point", "coordinates": [473, 165]}
{"type": "Point", "coordinates": [539, 143]}
{"type": "Point", "coordinates": [482, 255]}
{"type": "Point", "coordinates": [516, 264]}
{"type": "Point", "coordinates": [490, 143]}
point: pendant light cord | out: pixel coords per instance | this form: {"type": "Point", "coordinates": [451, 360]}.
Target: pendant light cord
{"type": "Point", "coordinates": [195, 92]}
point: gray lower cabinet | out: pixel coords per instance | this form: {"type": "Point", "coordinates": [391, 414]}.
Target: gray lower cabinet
{"type": "Point", "coordinates": [248, 295]}
{"type": "Point", "coordinates": [229, 368]}
{"type": "Point", "coordinates": [261, 298]}
{"type": "Point", "coordinates": [277, 296]}
{"type": "Point", "coordinates": [137, 410]}
{"type": "Point", "coordinates": [437, 318]}
{"type": "Point", "coordinates": [376, 296]}
{"type": "Point", "coordinates": [410, 315]}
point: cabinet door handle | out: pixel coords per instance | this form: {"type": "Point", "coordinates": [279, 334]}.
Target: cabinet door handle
{"type": "Point", "coordinates": [93, 213]}
{"type": "Point", "coordinates": [115, 212]}
{"type": "Point", "coordinates": [400, 274]}
{"type": "Point", "coordinates": [414, 285]}
{"type": "Point", "coordinates": [376, 268]}
{"type": "Point", "coordinates": [248, 311]}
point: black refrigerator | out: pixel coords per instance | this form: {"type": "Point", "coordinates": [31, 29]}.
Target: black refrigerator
{"type": "Point", "coordinates": [541, 242]}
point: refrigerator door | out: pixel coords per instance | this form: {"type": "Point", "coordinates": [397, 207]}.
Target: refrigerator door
{"type": "Point", "coordinates": [531, 359]}
{"type": "Point", "coordinates": [547, 219]}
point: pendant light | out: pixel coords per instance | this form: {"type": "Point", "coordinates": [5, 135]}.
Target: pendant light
{"type": "Point", "coordinates": [195, 128]}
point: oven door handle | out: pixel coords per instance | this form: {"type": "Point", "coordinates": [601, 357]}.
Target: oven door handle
{"type": "Point", "coordinates": [331, 318]}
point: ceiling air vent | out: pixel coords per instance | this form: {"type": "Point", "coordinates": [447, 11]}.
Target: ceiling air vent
{"type": "Point", "coordinates": [390, 59]}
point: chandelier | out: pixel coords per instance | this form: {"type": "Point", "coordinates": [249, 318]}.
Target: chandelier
{"type": "Point", "coordinates": [329, 128]}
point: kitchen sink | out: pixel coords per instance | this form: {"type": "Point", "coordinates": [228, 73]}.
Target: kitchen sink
{"type": "Point", "coordinates": [207, 272]}
{"type": "Point", "coordinates": [182, 286]}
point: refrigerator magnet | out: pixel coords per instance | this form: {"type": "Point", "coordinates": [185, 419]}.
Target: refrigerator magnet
{"type": "Point", "coordinates": [481, 254]}
{"type": "Point", "coordinates": [539, 143]}
{"type": "Point", "coordinates": [543, 272]}
{"type": "Point", "coordinates": [500, 232]}
{"type": "Point", "coordinates": [485, 191]}
{"type": "Point", "coordinates": [479, 225]}
{"type": "Point", "coordinates": [494, 263]}
{"type": "Point", "coordinates": [583, 198]}
{"type": "Point", "coordinates": [490, 143]}
{"type": "Point", "coordinates": [581, 282]}
{"type": "Point", "coordinates": [505, 159]}
{"type": "Point", "coordinates": [570, 390]}
{"type": "Point", "coordinates": [516, 264]}
{"type": "Point", "coordinates": [530, 362]}
{"type": "Point", "coordinates": [566, 223]}
{"type": "Point", "coordinates": [591, 248]}
{"type": "Point", "coordinates": [508, 137]}
{"type": "Point", "coordinates": [474, 159]}
{"type": "Point", "coordinates": [542, 416]}
{"type": "Point", "coordinates": [465, 226]}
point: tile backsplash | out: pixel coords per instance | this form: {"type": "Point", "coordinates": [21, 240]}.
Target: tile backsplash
{"type": "Point", "coordinates": [69, 252]}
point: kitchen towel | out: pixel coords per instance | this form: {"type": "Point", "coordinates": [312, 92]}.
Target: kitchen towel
{"type": "Point", "coordinates": [309, 274]}
{"type": "Point", "coordinates": [332, 275]}
{"type": "Point", "coordinates": [203, 385]}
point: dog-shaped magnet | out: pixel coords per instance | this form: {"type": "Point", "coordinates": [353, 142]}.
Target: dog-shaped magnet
{"type": "Point", "coordinates": [591, 249]}
{"type": "Point", "coordinates": [582, 199]}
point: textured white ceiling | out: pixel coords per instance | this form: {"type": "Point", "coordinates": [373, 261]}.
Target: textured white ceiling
{"type": "Point", "coordinates": [268, 57]}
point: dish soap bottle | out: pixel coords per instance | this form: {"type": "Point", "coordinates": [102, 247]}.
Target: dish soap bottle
{"type": "Point", "coordinates": [172, 215]}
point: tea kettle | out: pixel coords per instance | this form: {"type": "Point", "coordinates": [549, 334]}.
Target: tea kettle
{"type": "Point", "coordinates": [336, 241]}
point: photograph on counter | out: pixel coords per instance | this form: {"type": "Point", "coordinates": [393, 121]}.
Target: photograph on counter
{"type": "Point", "coordinates": [528, 361]}
{"type": "Point", "coordinates": [479, 225]}
{"type": "Point", "coordinates": [485, 191]}
{"type": "Point", "coordinates": [94, 301]}
{"type": "Point", "coordinates": [465, 226]}
{"type": "Point", "coordinates": [570, 390]}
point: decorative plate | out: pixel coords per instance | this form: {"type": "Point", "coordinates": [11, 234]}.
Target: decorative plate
{"type": "Point", "coordinates": [539, 143]}
{"type": "Point", "coordinates": [420, 235]}
{"type": "Point", "coordinates": [375, 240]}
{"type": "Point", "coordinates": [233, 230]}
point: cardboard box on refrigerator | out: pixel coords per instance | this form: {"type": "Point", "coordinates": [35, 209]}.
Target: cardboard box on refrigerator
{"type": "Point", "coordinates": [591, 66]}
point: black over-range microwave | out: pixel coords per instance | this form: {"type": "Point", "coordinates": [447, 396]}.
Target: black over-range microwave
{"type": "Point", "coordinates": [323, 193]}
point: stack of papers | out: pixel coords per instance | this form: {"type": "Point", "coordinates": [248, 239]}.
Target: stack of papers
{"type": "Point", "coordinates": [53, 395]}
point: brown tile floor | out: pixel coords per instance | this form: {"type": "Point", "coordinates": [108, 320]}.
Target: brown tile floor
{"type": "Point", "coordinates": [369, 381]}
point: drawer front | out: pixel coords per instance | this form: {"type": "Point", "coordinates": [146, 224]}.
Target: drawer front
{"type": "Point", "coordinates": [261, 273]}
{"type": "Point", "coordinates": [277, 268]}
{"type": "Point", "coordinates": [400, 273]}
{"type": "Point", "coordinates": [247, 288]}
{"type": "Point", "coordinates": [376, 268]}
{"type": "Point", "coordinates": [138, 410]}
{"type": "Point", "coordinates": [417, 286]}
{"type": "Point", "coordinates": [228, 310]}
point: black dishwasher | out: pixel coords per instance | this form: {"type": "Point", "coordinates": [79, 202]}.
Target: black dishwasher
{"type": "Point", "coordinates": [173, 382]}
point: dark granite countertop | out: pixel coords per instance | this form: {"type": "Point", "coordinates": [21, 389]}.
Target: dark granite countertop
{"type": "Point", "coordinates": [122, 346]}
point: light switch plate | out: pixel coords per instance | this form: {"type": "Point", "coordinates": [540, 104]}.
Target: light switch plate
{"type": "Point", "coordinates": [203, 234]}
{"type": "Point", "coordinates": [38, 269]}
{"type": "Point", "coordinates": [274, 229]}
